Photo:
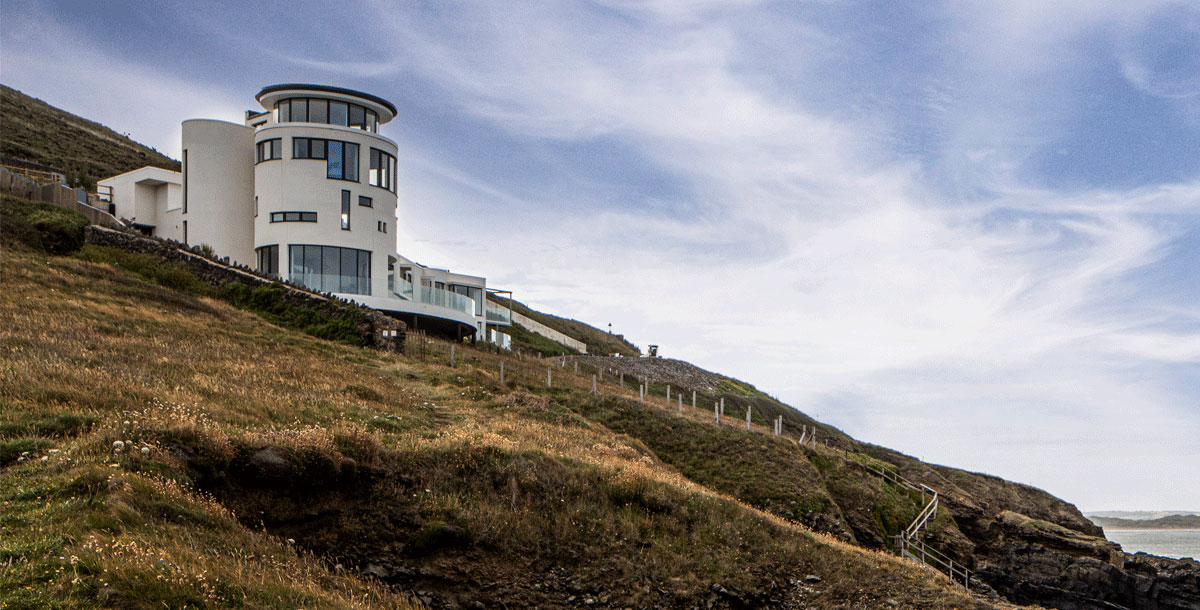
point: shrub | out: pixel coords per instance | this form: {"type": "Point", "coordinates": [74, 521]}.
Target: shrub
{"type": "Point", "coordinates": [41, 226]}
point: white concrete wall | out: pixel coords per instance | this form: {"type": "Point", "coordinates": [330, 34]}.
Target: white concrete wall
{"type": "Point", "coordinates": [219, 178]}
{"type": "Point", "coordinates": [549, 333]}
{"type": "Point", "coordinates": [144, 194]}
{"type": "Point", "coordinates": [302, 185]}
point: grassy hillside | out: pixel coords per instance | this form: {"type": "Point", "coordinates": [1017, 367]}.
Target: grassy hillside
{"type": "Point", "coordinates": [597, 341]}
{"type": "Point", "coordinates": [36, 131]}
{"type": "Point", "coordinates": [161, 449]}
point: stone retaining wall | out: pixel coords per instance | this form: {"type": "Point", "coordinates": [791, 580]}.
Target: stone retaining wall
{"type": "Point", "coordinates": [375, 329]}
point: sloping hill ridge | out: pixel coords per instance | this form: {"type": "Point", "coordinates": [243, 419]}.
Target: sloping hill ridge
{"type": "Point", "coordinates": [258, 467]}
{"type": "Point", "coordinates": [37, 132]}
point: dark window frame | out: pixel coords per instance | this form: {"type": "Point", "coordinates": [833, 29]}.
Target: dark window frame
{"type": "Point", "coordinates": [270, 149]}
{"type": "Point", "coordinates": [370, 203]}
{"type": "Point", "coordinates": [312, 259]}
{"type": "Point", "coordinates": [357, 116]}
{"type": "Point", "coordinates": [345, 210]}
{"type": "Point", "coordinates": [293, 216]}
{"type": "Point", "coordinates": [270, 256]}
{"type": "Point", "coordinates": [382, 170]}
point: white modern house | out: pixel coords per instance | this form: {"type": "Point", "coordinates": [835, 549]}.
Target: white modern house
{"type": "Point", "coordinates": [305, 190]}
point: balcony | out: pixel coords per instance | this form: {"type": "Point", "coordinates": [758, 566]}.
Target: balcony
{"type": "Point", "coordinates": [430, 295]}
{"type": "Point", "coordinates": [498, 315]}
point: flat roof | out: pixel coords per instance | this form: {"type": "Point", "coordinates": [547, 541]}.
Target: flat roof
{"type": "Point", "coordinates": [327, 89]}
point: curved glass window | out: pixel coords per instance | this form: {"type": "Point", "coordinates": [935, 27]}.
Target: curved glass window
{"type": "Point", "coordinates": [330, 269]}
{"type": "Point", "coordinates": [330, 112]}
{"type": "Point", "coordinates": [382, 172]}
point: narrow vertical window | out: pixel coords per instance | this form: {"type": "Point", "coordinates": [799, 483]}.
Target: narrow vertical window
{"type": "Point", "coordinates": [256, 206]}
{"type": "Point", "coordinates": [358, 116]}
{"type": "Point", "coordinates": [345, 210]}
{"type": "Point", "coordinates": [185, 232]}
{"type": "Point", "coordinates": [285, 112]}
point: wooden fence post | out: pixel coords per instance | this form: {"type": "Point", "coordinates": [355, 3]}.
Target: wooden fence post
{"type": "Point", "coordinates": [693, 399]}
{"type": "Point", "coordinates": [747, 417]}
{"type": "Point", "coordinates": [668, 393]}
{"type": "Point", "coordinates": [722, 406]}
{"type": "Point", "coordinates": [548, 370]}
{"type": "Point", "coordinates": [593, 384]}
{"type": "Point", "coordinates": [501, 372]}
{"type": "Point", "coordinates": [681, 404]}
{"type": "Point", "coordinates": [716, 413]}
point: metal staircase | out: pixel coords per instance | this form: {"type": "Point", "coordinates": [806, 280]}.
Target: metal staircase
{"type": "Point", "coordinates": [909, 543]}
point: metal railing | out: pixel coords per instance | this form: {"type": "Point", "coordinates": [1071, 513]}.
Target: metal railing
{"type": "Point", "coordinates": [909, 544]}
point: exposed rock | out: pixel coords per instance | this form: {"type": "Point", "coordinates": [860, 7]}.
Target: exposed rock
{"type": "Point", "coordinates": [270, 463]}
{"type": "Point", "coordinates": [1030, 561]}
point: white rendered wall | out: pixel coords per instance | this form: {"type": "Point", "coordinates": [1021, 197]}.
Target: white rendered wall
{"type": "Point", "coordinates": [302, 185]}
{"type": "Point", "coordinates": [219, 179]}
{"type": "Point", "coordinates": [144, 194]}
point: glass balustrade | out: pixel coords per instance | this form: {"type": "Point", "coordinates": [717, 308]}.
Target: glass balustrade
{"type": "Point", "coordinates": [498, 314]}
{"type": "Point", "coordinates": [401, 288]}
{"type": "Point", "coordinates": [333, 282]}
{"type": "Point", "coordinates": [447, 299]}
{"type": "Point", "coordinates": [433, 296]}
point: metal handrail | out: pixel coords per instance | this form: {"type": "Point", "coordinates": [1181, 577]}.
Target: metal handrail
{"type": "Point", "coordinates": [911, 546]}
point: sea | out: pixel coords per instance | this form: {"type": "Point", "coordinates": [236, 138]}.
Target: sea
{"type": "Point", "coordinates": [1167, 543]}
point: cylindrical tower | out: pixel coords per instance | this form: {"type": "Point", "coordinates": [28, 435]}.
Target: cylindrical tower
{"type": "Point", "coordinates": [324, 188]}
{"type": "Point", "coordinates": [218, 188]}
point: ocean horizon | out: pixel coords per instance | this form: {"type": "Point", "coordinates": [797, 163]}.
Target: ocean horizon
{"type": "Point", "coordinates": [1175, 543]}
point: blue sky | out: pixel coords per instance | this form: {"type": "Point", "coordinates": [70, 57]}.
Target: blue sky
{"type": "Point", "coordinates": [966, 230]}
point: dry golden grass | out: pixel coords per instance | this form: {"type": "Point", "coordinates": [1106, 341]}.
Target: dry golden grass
{"type": "Point", "coordinates": [151, 367]}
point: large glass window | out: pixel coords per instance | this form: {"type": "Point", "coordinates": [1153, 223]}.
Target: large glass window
{"type": "Point", "coordinates": [319, 110]}
{"type": "Point", "coordinates": [268, 260]}
{"type": "Point", "coordinates": [383, 170]}
{"type": "Point", "coordinates": [331, 269]}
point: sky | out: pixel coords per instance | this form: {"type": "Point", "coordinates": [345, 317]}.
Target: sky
{"type": "Point", "coordinates": [969, 231]}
